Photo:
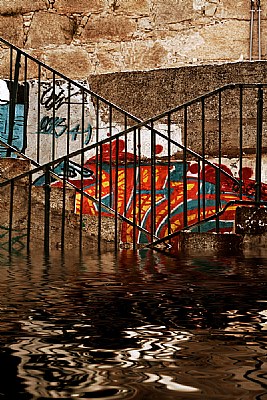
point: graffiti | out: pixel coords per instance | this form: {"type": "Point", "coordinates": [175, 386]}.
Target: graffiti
{"type": "Point", "coordinates": [55, 97]}
{"type": "Point", "coordinates": [58, 126]}
{"type": "Point", "coordinates": [133, 195]}
{"type": "Point", "coordinates": [137, 202]}
{"type": "Point", "coordinates": [73, 172]}
{"type": "Point", "coordinates": [18, 137]}
{"type": "Point", "coordinates": [17, 240]}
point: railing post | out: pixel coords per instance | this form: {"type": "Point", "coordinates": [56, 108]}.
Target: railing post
{"type": "Point", "coordinates": [13, 99]}
{"type": "Point", "coordinates": [259, 144]}
{"type": "Point", "coordinates": [47, 190]}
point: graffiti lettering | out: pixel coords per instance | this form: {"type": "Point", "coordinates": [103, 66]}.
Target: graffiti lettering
{"type": "Point", "coordinates": [58, 126]}
{"type": "Point", "coordinates": [55, 97]}
{"type": "Point", "coordinates": [74, 171]}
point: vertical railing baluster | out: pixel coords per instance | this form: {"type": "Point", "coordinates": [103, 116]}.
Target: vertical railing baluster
{"type": "Point", "coordinates": [198, 193]}
{"type": "Point", "coordinates": [241, 141]}
{"type": "Point", "coordinates": [47, 189]}
{"type": "Point", "coordinates": [29, 212]}
{"type": "Point", "coordinates": [63, 213]}
{"type": "Point", "coordinates": [185, 169]}
{"type": "Point", "coordinates": [100, 197]}
{"type": "Point", "coordinates": [82, 175]}
{"type": "Point", "coordinates": [39, 114]}
{"type": "Point", "coordinates": [134, 189]}
{"type": "Point", "coordinates": [259, 143]}
{"type": "Point", "coordinates": [116, 194]}
{"type": "Point", "coordinates": [125, 165]}
{"type": "Point", "coordinates": [26, 106]}
{"type": "Point", "coordinates": [217, 198]}
{"type": "Point", "coordinates": [203, 158]}
{"type": "Point", "coordinates": [139, 176]}
{"type": "Point", "coordinates": [68, 119]}
{"type": "Point", "coordinates": [97, 140]}
{"type": "Point", "coordinates": [218, 173]}
{"type": "Point", "coordinates": [153, 197]}
{"type": "Point", "coordinates": [110, 156]}
{"type": "Point", "coordinates": [11, 207]}
{"type": "Point", "coordinates": [169, 174]}
{"type": "Point", "coordinates": [54, 118]}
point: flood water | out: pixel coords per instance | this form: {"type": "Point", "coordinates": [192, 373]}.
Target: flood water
{"type": "Point", "coordinates": [133, 326]}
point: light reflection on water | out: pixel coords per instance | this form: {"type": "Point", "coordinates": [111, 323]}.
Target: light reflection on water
{"type": "Point", "coordinates": [133, 326]}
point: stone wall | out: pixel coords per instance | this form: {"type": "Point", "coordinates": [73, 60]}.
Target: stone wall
{"type": "Point", "coordinates": [84, 37]}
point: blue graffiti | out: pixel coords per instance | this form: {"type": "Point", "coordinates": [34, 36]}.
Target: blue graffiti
{"type": "Point", "coordinates": [73, 171]}
{"type": "Point", "coordinates": [18, 128]}
{"type": "Point", "coordinates": [58, 126]}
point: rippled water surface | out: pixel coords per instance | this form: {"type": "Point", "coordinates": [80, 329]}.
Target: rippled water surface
{"type": "Point", "coordinates": [133, 326]}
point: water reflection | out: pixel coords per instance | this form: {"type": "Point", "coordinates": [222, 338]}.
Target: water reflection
{"type": "Point", "coordinates": [133, 326]}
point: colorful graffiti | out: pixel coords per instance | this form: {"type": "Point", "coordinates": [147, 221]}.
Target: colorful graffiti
{"type": "Point", "coordinates": [131, 194]}
{"type": "Point", "coordinates": [21, 108]}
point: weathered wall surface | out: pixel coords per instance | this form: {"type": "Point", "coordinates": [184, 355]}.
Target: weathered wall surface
{"type": "Point", "coordinates": [93, 37]}
{"type": "Point", "coordinates": [148, 93]}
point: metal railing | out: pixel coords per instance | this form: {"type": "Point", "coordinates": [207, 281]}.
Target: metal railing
{"type": "Point", "coordinates": [144, 181]}
{"type": "Point", "coordinates": [45, 114]}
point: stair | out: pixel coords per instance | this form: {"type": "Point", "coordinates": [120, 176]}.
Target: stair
{"type": "Point", "coordinates": [16, 221]}
{"type": "Point", "coordinates": [94, 174]}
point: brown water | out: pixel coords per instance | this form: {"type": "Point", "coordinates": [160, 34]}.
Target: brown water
{"type": "Point", "coordinates": [133, 326]}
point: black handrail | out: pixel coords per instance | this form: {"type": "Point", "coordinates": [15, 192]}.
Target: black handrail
{"type": "Point", "coordinates": [133, 130]}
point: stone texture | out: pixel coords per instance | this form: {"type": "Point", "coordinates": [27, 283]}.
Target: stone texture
{"type": "Point", "coordinates": [167, 88]}
{"type": "Point", "coordinates": [11, 29]}
{"type": "Point", "coordinates": [70, 61]}
{"type": "Point", "coordinates": [170, 11]}
{"type": "Point", "coordinates": [49, 29]}
{"type": "Point", "coordinates": [11, 167]}
{"type": "Point", "coordinates": [134, 35]}
{"type": "Point", "coordinates": [82, 6]}
{"type": "Point", "coordinates": [108, 27]}
{"type": "Point", "coordinates": [11, 7]}
{"type": "Point", "coordinates": [131, 7]}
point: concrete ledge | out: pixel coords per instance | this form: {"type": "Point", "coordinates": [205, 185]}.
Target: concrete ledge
{"type": "Point", "coordinates": [209, 243]}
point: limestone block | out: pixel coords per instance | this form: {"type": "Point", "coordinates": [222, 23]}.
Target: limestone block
{"type": "Point", "coordinates": [71, 61]}
{"type": "Point", "coordinates": [49, 28]}
{"type": "Point", "coordinates": [222, 41]}
{"type": "Point", "coordinates": [142, 55]}
{"type": "Point", "coordinates": [210, 10]}
{"type": "Point", "coordinates": [11, 7]}
{"type": "Point", "coordinates": [11, 29]}
{"type": "Point", "coordinates": [239, 9]}
{"type": "Point", "coordinates": [81, 6]}
{"type": "Point", "coordinates": [133, 7]}
{"type": "Point", "coordinates": [173, 11]}
{"type": "Point", "coordinates": [108, 27]}
{"type": "Point", "coordinates": [129, 56]}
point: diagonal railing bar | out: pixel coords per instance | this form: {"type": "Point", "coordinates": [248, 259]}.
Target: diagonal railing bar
{"type": "Point", "coordinates": [207, 219]}
{"type": "Point", "coordinates": [148, 124]}
{"type": "Point", "coordinates": [190, 120]}
{"type": "Point", "coordinates": [47, 166]}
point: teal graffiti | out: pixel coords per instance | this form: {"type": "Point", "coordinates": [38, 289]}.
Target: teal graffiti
{"type": "Point", "coordinates": [18, 129]}
{"type": "Point", "coordinates": [58, 126]}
